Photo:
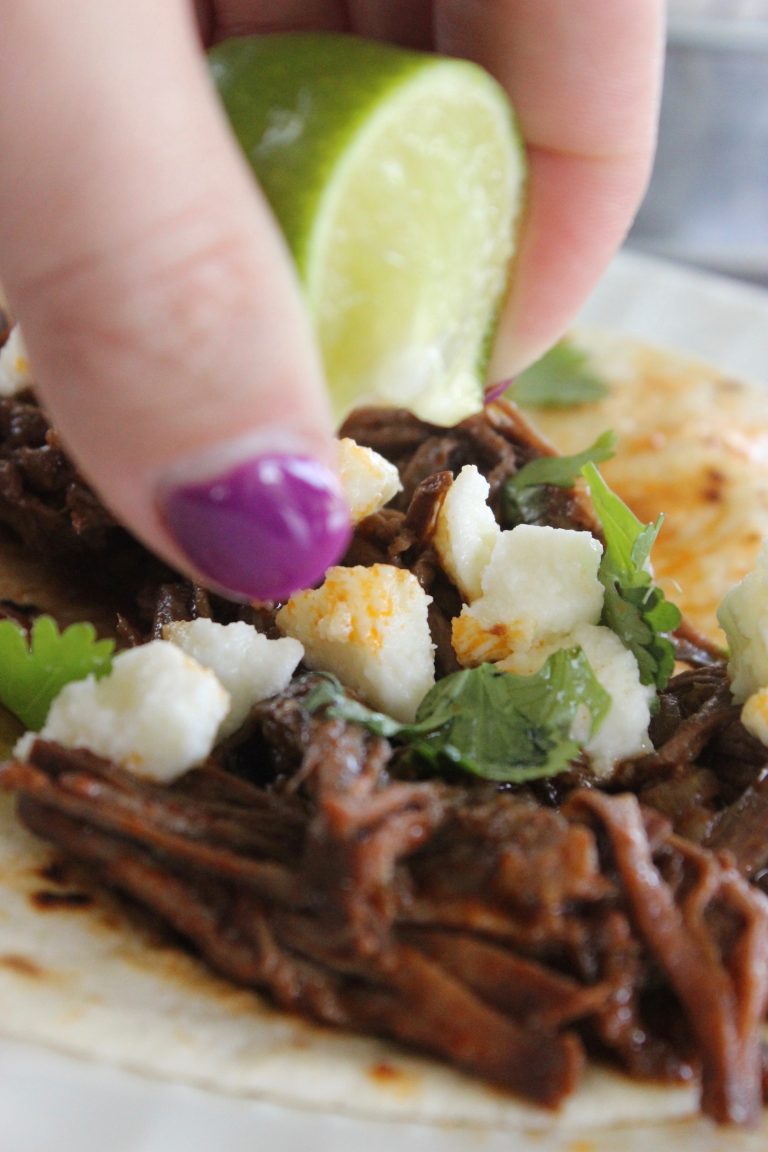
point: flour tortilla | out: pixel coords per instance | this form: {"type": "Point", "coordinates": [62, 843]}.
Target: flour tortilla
{"type": "Point", "coordinates": [82, 973]}
{"type": "Point", "coordinates": [693, 444]}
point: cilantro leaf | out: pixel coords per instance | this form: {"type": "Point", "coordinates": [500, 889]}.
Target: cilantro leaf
{"type": "Point", "coordinates": [562, 378]}
{"type": "Point", "coordinates": [490, 723]}
{"type": "Point", "coordinates": [34, 670]}
{"type": "Point", "coordinates": [563, 471]}
{"type": "Point", "coordinates": [634, 607]}
{"type": "Point", "coordinates": [525, 502]}
{"type": "Point", "coordinates": [329, 693]}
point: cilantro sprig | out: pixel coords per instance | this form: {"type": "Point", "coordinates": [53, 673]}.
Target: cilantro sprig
{"type": "Point", "coordinates": [489, 723]}
{"type": "Point", "coordinates": [34, 670]}
{"type": "Point", "coordinates": [563, 471]}
{"type": "Point", "coordinates": [634, 606]}
{"type": "Point", "coordinates": [523, 500]}
{"type": "Point", "coordinates": [561, 378]}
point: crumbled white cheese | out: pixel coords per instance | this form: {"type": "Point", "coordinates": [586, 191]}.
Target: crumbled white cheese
{"type": "Point", "coordinates": [466, 532]}
{"type": "Point", "coordinates": [624, 731]}
{"type": "Point", "coordinates": [156, 714]}
{"type": "Point", "coordinates": [367, 479]}
{"type": "Point", "coordinates": [743, 616]}
{"type": "Point", "coordinates": [369, 627]}
{"type": "Point", "coordinates": [539, 585]}
{"type": "Point", "coordinates": [249, 665]}
{"type": "Point", "coordinates": [14, 364]}
{"type": "Point", "coordinates": [754, 715]}
{"type": "Point", "coordinates": [540, 593]}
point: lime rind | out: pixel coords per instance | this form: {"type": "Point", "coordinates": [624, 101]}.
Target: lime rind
{"type": "Point", "coordinates": [295, 101]}
{"type": "Point", "coordinates": [397, 179]}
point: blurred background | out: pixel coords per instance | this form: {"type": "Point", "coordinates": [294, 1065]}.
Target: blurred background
{"type": "Point", "coordinates": [707, 204]}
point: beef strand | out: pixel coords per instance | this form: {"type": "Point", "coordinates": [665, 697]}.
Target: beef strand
{"type": "Point", "coordinates": [485, 933]}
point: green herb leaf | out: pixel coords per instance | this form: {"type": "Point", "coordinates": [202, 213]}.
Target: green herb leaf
{"type": "Point", "coordinates": [329, 693]}
{"type": "Point", "coordinates": [524, 500]}
{"type": "Point", "coordinates": [562, 378]}
{"type": "Point", "coordinates": [492, 724]}
{"type": "Point", "coordinates": [563, 471]}
{"type": "Point", "coordinates": [634, 607]}
{"type": "Point", "coordinates": [32, 672]}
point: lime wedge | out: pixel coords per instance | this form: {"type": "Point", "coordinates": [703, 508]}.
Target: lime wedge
{"type": "Point", "coordinates": [396, 177]}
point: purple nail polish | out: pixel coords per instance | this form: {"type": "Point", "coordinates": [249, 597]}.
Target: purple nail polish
{"type": "Point", "coordinates": [262, 530]}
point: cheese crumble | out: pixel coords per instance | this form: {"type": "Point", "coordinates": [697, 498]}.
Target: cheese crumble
{"type": "Point", "coordinates": [249, 665]}
{"type": "Point", "coordinates": [743, 616]}
{"type": "Point", "coordinates": [466, 532]}
{"type": "Point", "coordinates": [156, 714]}
{"type": "Point", "coordinates": [624, 731]}
{"type": "Point", "coordinates": [754, 715]}
{"type": "Point", "coordinates": [367, 479]}
{"type": "Point", "coordinates": [539, 584]}
{"type": "Point", "coordinates": [540, 593]}
{"type": "Point", "coordinates": [14, 364]}
{"type": "Point", "coordinates": [368, 626]}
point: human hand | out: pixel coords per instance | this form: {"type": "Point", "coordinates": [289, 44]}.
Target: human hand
{"type": "Point", "coordinates": [162, 314]}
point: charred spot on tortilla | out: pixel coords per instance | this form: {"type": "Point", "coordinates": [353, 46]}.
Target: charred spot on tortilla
{"type": "Point", "coordinates": [22, 965]}
{"type": "Point", "coordinates": [393, 1079]}
{"type": "Point", "coordinates": [49, 899]}
{"type": "Point", "coordinates": [510, 929]}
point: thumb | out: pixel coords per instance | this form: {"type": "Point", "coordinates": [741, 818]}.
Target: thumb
{"type": "Point", "coordinates": [160, 308]}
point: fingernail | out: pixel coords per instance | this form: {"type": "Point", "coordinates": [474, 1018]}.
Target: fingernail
{"type": "Point", "coordinates": [263, 528]}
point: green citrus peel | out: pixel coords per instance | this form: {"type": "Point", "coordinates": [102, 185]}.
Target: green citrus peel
{"type": "Point", "coordinates": [397, 179]}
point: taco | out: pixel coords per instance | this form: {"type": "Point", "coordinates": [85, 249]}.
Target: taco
{"type": "Point", "coordinates": [513, 912]}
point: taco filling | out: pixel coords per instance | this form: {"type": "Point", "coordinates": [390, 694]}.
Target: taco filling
{"type": "Point", "coordinates": [541, 843]}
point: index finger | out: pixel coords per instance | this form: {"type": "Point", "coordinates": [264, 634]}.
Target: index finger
{"type": "Point", "coordinates": [585, 81]}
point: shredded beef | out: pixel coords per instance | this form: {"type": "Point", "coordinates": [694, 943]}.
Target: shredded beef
{"type": "Point", "coordinates": [42, 497]}
{"type": "Point", "coordinates": [476, 925]}
{"type": "Point", "coordinates": [499, 441]}
{"type": "Point", "coordinates": [707, 932]}
{"type": "Point", "coordinates": [512, 931]}
{"type": "Point", "coordinates": [741, 830]}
